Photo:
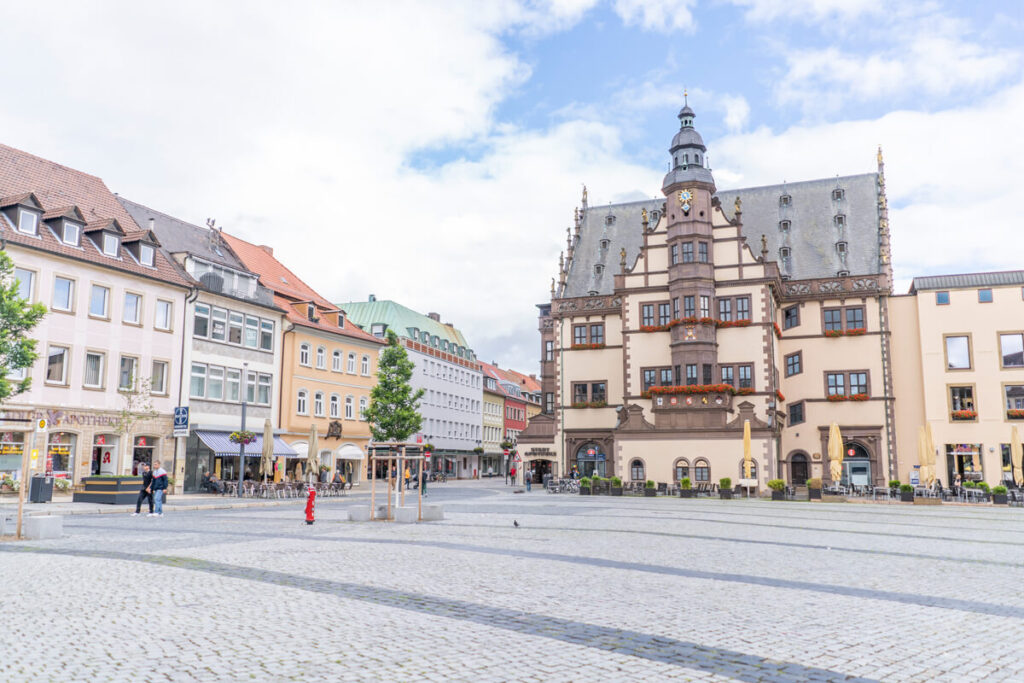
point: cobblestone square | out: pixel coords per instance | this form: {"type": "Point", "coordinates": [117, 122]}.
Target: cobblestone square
{"type": "Point", "coordinates": [586, 588]}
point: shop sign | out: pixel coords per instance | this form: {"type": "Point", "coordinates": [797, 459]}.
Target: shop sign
{"type": "Point", "coordinates": [334, 429]}
{"type": "Point", "coordinates": [59, 418]}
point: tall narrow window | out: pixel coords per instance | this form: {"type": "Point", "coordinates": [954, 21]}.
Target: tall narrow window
{"type": "Point", "coordinates": [99, 301]}
{"type": "Point", "coordinates": [128, 374]}
{"type": "Point", "coordinates": [26, 283]}
{"type": "Point", "coordinates": [252, 332]}
{"type": "Point", "coordinates": [321, 358]}
{"type": "Point", "coordinates": [335, 406]}
{"type": "Point", "coordinates": [350, 367]}
{"type": "Point", "coordinates": [727, 376]}
{"type": "Point", "coordinates": [63, 294]}
{"type": "Point", "coordinates": [302, 402]}
{"type": "Point", "coordinates": [689, 308]}
{"type": "Point", "coordinates": [236, 322]}
{"type": "Point", "coordinates": [675, 308]}
{"type": "Point", "coordinates": [708, 371]}
{"type": "Point", "coordinates": [349, 408]}
{"type": "Point", "coordinates": [304, 354]}
{"type": "Point", "coordinates": [674, 254]}
{"type": "Point", "coordinates": [162, 319]}
{"type": "Point", "coordinates": [215, 383]}
{"type": "Point", "coordinates": [833, 319]}
{"type": "Point", "coordinates": [664, 314]}
{"type": "Point", "coordinates": [725, 309]}
{"type": "Point", "coordinates": [579, 334]}
{"type": "Point", "coordinates": [687, 252]}
{"type": "Point", "coordinates": [318, 404]}
{"type": "Point", "coordinates": [702, 252]}
{"type": "Point", "coordinates": [836, 383]}
{"type": "Point", "coordinates": [705, 306]}
{"type": "Point", "coordinates": [691, 373]}
{"type": "Point", "coordinates": [263, 389]}
{"type": "Point", "coordinates": [132, 308]}
{"type": "Point", "coordinates": [365, 367]}
{"type": "Point", "coordinates": [958, 352]}
{"type": "Point", "coordinates": [790, 317]}
{"type": "Point", "coordinates": [197, 388]}
{"type": "Point", "coordinates": [363, 404]}
{"type": "Point", "coordinates": [158, 378]}
{"type": "Point", "coordinates": [57, 365]}
{"type": "Point", "coordinates": [549, 351]}
{"type": "Point", "coordinates": [267, 335]}
{"type": "Point", "coordinates": [94, 362]}
{"type": "Point", "coordinates": [647, 314]}
{"type": "Point", "coordinates": [597, 334]}
{"type": "Point", "coordinates": [743, 308]}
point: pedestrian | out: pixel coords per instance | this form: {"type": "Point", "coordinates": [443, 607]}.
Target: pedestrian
{"type": "Point", "coordinates": [512, 473]}
{"type": "Point", "coordinates": [158, 487]}
{"type": "Point", "coordinates": [145, 493]}
{"type": "Point", "coordinates": [528, 479]}
{"type": "Point", "coordinates": [408, 477]}
{"type": "Point", "coordinates": [423, 481]}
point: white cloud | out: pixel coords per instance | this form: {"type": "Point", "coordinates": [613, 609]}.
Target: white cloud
{"type": "Point", "coordinates": [737, 111]}
{"type": "Point", "coordinates": [951, 176]}
{"type": "Point", "coordinates": [657, 15]}
{"type": "Point", "coordinates": [809, 10]}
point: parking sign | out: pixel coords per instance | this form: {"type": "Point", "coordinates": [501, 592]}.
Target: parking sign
{"type": "Point", "coordinates": [181, 421]}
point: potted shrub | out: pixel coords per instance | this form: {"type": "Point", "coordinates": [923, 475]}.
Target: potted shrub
{"type": "Point", "coordinates": [725, 488]}
{"type": "Point", "coordinates": [597, 485]}
{"type": "Point", "coordinates": [894, 484]}
{"type": "Point", "coordinates": [983, 485]}
{"type": "Point", "coordinates": [814, 488]}
{"type": "Point", "coordinates": [906, 493]}
{"type": "Point", "coordinates": [616, 489]}
{"type": "Point", "coordinates": [999, 496]}
{"type": "Point", "coordinates": [685, 488]}
{"type": "Point", "coordinates": [778, 488]}
{"type": "Point", "coordinates": [585, 486]}
{"type": "Point", "coordinates": [650, 489]}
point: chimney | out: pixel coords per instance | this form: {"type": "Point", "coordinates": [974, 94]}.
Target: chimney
{"type": "Point", "coordinates": [152, 225]}
{"type": "Point", "coordinates": [436, 317]}
{"type": "Point", "coordinates": [269, 250]}
{"type": "Point", "coordinates": [533, 377]}
{"type": "Point", "coordinates": [494, 363]}
{"type": "Point", "coordinates": [373, 297]}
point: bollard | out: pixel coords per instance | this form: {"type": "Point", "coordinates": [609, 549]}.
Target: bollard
{"type": "Point", "coordinates": [309, 505]}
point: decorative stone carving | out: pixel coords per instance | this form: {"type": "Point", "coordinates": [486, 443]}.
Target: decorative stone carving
{"type": "Point", "coordinates": [798, 288]}
{"type": "Point", "coordinates": [567, 306]}
{"type": "Point", "coordinates": [864, 283]}
{"type": "Point", "coordinates": [547, 323]}
{"type": "Point", "coordinates": [831, 286]}
{"type": "Point", "coordinates": [591, 304]}
{"type": "Point", "coordinates": [616, 301]}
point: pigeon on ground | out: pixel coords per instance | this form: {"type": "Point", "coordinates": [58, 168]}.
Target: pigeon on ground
{"type": "Point", "coordinates": [515, 523]}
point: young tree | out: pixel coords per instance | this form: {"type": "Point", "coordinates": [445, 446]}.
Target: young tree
{"type": "Point", "coordinates": [393, 414]}
{"type": "Point", "coordinates": [17, 318]}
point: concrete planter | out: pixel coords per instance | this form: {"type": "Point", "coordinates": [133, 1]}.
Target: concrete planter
{"type": "Point", "coordinates": [778, 495]}
{"type": "Point", "coordinates": [687, 493]}
{"type": "Point", "coordinates": [813, 494]}
{"type": "Point", "coordinates": [1000, 499]}
{"type": "Point", "coordinates": [650, 493]}
{"type": "Point", "coordinates": [616, 490]}
{"type": "Point", "coordinates": [906, 496]}
{"type": "Point", "coordinates": [725, 495]}
{"type": "Point", "coordinates": [584, 490]}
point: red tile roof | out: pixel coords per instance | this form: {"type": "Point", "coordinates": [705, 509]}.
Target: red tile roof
{"type": "Point", "coordinates": [525, 382]}
{"type": "Point", "coordinates": [59, 188]}
{"type": "Point", "coordinates": [289, 290]}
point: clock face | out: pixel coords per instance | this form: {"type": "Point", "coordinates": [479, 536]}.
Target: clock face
{"type": "Point", "coordinates": [685, 198]}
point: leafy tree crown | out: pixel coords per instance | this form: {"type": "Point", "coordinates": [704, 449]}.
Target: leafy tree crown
{"type": "Point", "coordinates": [17, 318]}
{"type": "Point", "coordinates": [394, 405]}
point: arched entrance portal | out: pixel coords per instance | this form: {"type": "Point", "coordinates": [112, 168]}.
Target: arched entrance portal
{"type": "Point", "coordinates": [856, 464]}
{"type": "Point", "coordinates": [798, 472]}
{"type": "Point", "coordinates": [591, 460]}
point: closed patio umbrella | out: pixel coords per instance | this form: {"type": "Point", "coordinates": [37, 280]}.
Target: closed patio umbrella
{"type": "Point", "coordinates": [312, 457]}
{"type": "Point", "coordinates": [1016, 455]}
{"type": "Point", "coordinates": [835, 453]}
{"type": "Point", "coordinates": [746, 449]}
{"type": "Point", "coordinates": [267, 461]}
{"type": "Point", "coordinates": [922, 457]}
{"type": "Point", "coordinates": [929, 443]}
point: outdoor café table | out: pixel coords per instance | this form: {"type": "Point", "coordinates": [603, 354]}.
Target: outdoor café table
{"type": "Point", "coordinates": [880, 491]}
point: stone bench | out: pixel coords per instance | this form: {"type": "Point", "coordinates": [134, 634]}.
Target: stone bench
{"type": "Point", "coordinates": [433, 513]}
{"type": "Point", "coordinates": [406, 515]}
{"type": "Point", "coordinates": [44, 527]}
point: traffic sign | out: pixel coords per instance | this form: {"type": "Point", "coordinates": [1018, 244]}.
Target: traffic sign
{"type": "Point", "coordinates": [41, 425]}
{"type": "Point", "coordinates": [181, 421]}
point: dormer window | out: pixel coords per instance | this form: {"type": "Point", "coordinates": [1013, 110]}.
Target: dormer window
{"type": "Point", "coordinates": [696, 159]}
{"type": "Point", "coordinates": [111, 244]}
{"type": "Point", "coordinates": [341, 320]}
{"type": "Point", "coordinates": [785, 200]}
{"type": "Point", "coordinates": [28, 222]}
{"type": "Point", "coordinates": [604, 244]}
{"type": "Point", "coordinates": [70, 233]}
{"type": "Point", "coordinates": [842, 273]}
{"type": "Point", "coordinates": [609, 220]}
{"type": "Point", "coordinates": [841, 248]}
{"type": "Point", "coordinates": [425, 337]}
{"type": "Point", "coordinates": [598, 269]}
{"type": "Point", "coordinates": [377, 330]}
{"type": "Point", "coordinates": [311, 311]}
{"type": "Point", "coordinates": [147, 254]}
{"type": "Point", "coordinates": [839, 220]}
{"type": "Point", "coordinates": [784, 226]}
{"type": "Point", "coordinates": [784, 253]}
{"type": "Point", "coordinates": [654, 216]}
{"type": "Point", "coordinates": [838, 193]}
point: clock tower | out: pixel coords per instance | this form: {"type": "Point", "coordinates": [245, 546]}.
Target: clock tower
{"type": "Point", "coordinates": [688, 188]}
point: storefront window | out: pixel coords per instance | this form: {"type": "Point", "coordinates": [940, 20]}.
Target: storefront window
{"type": "Point", "coordinates": [142, 453]}
{"type": "Point", "coordinates": [60, 454]}
{"type": "Point", "coordinates": [682, 470]}
{"type": "Point", "coordinates": [1007, 463]}
{"type": "Point", "coordinates": [702, 471]}
{"type": "Point", "coordinates": [12, 446]}
{"type": "Point", "coordinates": [964, 459]}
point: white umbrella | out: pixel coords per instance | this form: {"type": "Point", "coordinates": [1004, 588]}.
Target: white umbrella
{"type": "Point", "coordinates": [312, 457]}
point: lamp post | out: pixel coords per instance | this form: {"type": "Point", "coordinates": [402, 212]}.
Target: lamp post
{"type": "Point", "coordinates": [241, 442]}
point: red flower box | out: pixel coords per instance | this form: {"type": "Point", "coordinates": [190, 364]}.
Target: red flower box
{"type": "Point", "coordinates": [733, 323]}
{"type": "Point", "coordinates": [836, 398]}
{"type": "Point", "coordinates": [746, 391]}
{"type": "Point", "coordinates": [1015, 414]}
{"type": "Point", "coordinates": [590, 404]}
{"type": "Point", "coordinates": [778, 395]}
{"type": "Point", "coordinates": [964, 414]}
{"type": "Point", "coordinates": [579, 347]}
{"type": "Point", "coordinates": [833, 333]}
{"type": "Point", "coordinates": [693, 389]}
{"type": "Point", "coordinates": [856, 331]}
{"type": "Point", "coordinates": [859, 397]}
{"type": "Point", "coordinates": [778, 331]}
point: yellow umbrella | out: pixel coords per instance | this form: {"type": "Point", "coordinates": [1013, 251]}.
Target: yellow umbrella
{"type": "Point", "coordinates": [1016, 455]}
{"type": "Point", "coordinates": [746, 449]}
{"type": "Point", "coordinates": [835, 453]}
{"type": "Point", "coordinates": [312, 455]}
{"type": "Point", "coordinates": [924, 458]}
{"type": "Point", "coordinates": [266, 462]}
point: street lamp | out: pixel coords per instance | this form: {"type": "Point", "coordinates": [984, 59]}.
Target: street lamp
{"type": "Point", "coordinates": [241, 442]}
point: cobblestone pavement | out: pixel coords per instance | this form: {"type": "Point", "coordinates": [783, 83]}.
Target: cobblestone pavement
{"type": "Point", "coordinates": [611, 589]}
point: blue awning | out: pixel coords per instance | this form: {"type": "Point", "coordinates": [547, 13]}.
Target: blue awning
{"type": "Point", "coordinates": [222, 446]}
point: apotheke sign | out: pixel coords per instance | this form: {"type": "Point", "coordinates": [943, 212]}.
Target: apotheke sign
{"type": "Point", "coordinates": [59, 418]}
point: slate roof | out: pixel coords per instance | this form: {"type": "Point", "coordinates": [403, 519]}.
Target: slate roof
{"type": "Point", "coordinates": [178, 236]}
{"type": "Point", "coordinates": [967, 280]}
{"type": "Point", "coordinates": [289, 289]}
{"type": "Point", "coordinates": [811, 239]}
{"type": "Point", "coordinates": [58, 189]}
{"type": "Point", "coordinates": [400, 318]}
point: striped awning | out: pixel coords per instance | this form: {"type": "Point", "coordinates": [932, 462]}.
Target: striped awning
{"type": "Point", "coordinates": [222, 446]}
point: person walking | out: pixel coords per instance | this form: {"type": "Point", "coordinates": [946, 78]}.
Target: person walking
{"type": "Point", "coordinates": [158, 486]}
{"type": "Point", "coordinates": [408, 477]}
{"type": "Point", "coordinates": [528, 479]}
{"type": "Point", "coordinates": [145, 493]}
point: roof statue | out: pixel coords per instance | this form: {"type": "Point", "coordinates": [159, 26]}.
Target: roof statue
{"type": "Point", "coordinates": [880, 154]}
{"type": "Point", "coordinates": [584, 195]}
{"type": "Point", "coordinates": [764, 247]}
{"type": "Point", "coordinates": [643, 215]}
{"type": "Point", "coordinates": [552, 287]}
{"type": "Point", "coordinates": [622, 258]}
{"type": "Point", "coordinates": [737, 204]}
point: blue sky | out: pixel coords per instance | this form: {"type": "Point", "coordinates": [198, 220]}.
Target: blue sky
{"type": "Point", "coordinates": [433, 152]}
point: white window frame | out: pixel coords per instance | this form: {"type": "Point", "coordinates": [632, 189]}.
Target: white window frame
{"type": "Point", "coordinates": [350, 407]}
{"type": "Point", "coordinates": [113, 241]}
{"type": "Point", "coordinates": [22, 213]}
{"type": "Point", "coordinates": [321, 358]}
{"type": "Point", "coordinates": [364, 367]}
{"type": "Point", "coordinates": [31, 282]}
{"type": "Point", "coordinates": [198, 371]}
{"type": "Point", "coordinates": [64, 365]}
{"type": "Point", "coordinates": [169, 306]}
{"type": "Point", "coordinates": [264, 382]}
{"type": "Point", "coordinates": [68, 226]}
{"type": "Point", "coordinates": [337, 359]}
{"type": "Point", "coordinates": [161, 390]}
{"type": "Point", "coordinates": [215, 377]}
{"type": "Point", "coordinates": [363, 404]}
{"type": "Point", "coordinates": [106, 301]}
{"type": "Point", "coordinates": [351, 367]}
{"type": "Point", "coordinates": [133, 377]}
{"type": "Point", "coordinates": [138, 309]}
{"type": "Point", "coordinates": [302, 402]}
{"type": "Point", "coordinates": [144, 250]}
{"type": "Point", "coordinates": [100, 373]}
{"type": "Point", "coordinates": [71, 295]}
{"type": "Point", "coordinates": [233, 385]}
{"type": "Point", "coordinates": [335, 406]}
{"type": "Point", "coordinates": [318, 404]}
{"type": "Point", "coordinates": [305, 353]}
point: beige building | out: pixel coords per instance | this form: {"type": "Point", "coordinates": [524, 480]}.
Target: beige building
{"type": "Point", "coordinates": [676, 321]}
{"type": "Point", "coordinates": [958, 350]}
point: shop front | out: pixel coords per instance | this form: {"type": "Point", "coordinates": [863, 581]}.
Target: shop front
{"type": "Point", "coordinates": [490, 465]}
{"type": "Point", "coordinates": [591, 460]}
{"type": "Point", "coordinates": [104, 455]}
{"type": "Point", "coordinates": [60, 455]}
{"type": "Point", "coordinates": [213, 451]}
{"type": "Point", "coordinates": [964, 459]}
{"type": "Point", "coordinates": [540, 461]}
{"type": "Point", "coordinates": [349, 459]}
{"type": "Point", "coordinates": [12, 448]}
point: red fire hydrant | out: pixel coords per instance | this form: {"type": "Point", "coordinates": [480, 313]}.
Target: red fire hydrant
{"type": "Point", "coordinates": [309, 505]}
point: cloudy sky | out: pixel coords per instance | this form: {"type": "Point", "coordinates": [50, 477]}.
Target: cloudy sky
{"type": "Point", "coordinates": [432, 152]}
